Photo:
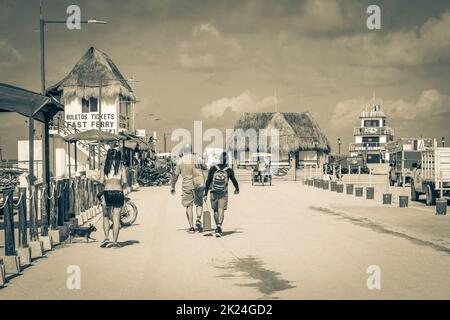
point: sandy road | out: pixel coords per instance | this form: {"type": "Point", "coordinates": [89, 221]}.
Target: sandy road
{"type": "Point", "coordinates": [287, 241]}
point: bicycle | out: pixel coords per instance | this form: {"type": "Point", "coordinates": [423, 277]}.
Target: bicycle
{"type": "Point", "coordinates": [128, 213]}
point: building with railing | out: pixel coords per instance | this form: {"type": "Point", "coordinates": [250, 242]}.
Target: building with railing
{"type": "Point", "coordinates": [96, 96]}
{"type": "Point", "coordinates": [371, 136]}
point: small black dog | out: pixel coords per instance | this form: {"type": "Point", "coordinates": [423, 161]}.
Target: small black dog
{"type": "Point", "coordinates": [81, 232]}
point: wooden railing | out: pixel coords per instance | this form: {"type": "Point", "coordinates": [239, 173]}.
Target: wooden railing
{"type": "Point", "coordinates": [67, 199]}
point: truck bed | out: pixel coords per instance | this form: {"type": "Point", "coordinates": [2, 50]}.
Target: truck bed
{"type": "Point", "coordinates": [436, 165]}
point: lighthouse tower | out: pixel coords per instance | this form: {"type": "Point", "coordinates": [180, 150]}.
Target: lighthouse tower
{"type": "Point", "coordinates": [371, 136]}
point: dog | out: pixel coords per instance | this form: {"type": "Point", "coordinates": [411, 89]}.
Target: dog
{"type": "Point", "coordinates": [84, 232]}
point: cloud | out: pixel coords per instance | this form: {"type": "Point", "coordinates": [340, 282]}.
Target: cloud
{"type": "Point", "coordinates": [245, 102]}
{"type": "Point", "coordinates": [430, 104]}
{"type": "Point", "coordinates": [8, 55]}
{"type": "Point", "coordinates": [208, 50]}
{"type": "Point", "coordinates": [321, 16]}
{"type": "Point", "coordinates": [424, 45]}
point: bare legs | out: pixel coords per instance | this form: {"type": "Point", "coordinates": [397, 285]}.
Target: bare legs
{"type": "Point", "coordinates": [116, 223]}
{"type": "Point", "coordinates": [199, 210]}
{"type": "Point", "coordinates": [219, 215]}
{"type": "Point", "coordinates": [115, 214]}
{"type": "Point", "coordinates": [190, 216]}
{"type": "Point", "coordinates": [106, 224]}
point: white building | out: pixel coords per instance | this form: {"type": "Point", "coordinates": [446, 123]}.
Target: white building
{"type": "Point", "coordinates": [94, 89]}
{"type": "Point", "coordinates": [80, 90]}
{"type": "Point", "coordinates": [371, 136]}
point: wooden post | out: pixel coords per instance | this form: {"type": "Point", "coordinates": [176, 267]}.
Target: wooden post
{"type": "Point", "coordinates": [75, 151]}
{"type": "Point", "coordinates": [46, 174]}
{"type": "Point", "coordinates": [35, 215]}
{"type": "Point", "coordinates": [66, 199]}
{"type": "Point", "coordinates": [44, 210]}
{"type": "Point", "coordinates": [8, 216]}
{"type": "Point", "coordinates": [70, 162]}
{"type": "Point", "coordinates": [54, 218]}
{"type": "Point", "coordinates": [22, 207]}
{"type": "Point", "coordinates": [60, 201]}
{"type": "Point", "coordinates": [31, 213]}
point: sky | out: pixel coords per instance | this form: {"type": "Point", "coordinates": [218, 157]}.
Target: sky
{"type": "Point", "coordinates": [213, 60]}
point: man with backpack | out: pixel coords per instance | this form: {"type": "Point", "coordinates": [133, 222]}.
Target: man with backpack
{"type": "Point", "coordinates": [217, 181]}
{"type": "Point", "coordinates": [190, 168]}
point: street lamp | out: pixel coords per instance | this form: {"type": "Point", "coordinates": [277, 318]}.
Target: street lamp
{"type": "Point", "coordinates": [46, 146]}
{"type": "Point", "coordinates": [443, 141]}
{"type": "Point", "coordinates": [339, 146]}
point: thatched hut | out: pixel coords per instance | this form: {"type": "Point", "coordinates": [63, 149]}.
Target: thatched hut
{"type": "Point", "coordinates": [300, 137]}
{"type": "Point", "coordinates": [96, 95]}
{"type": "Point", "coordinates": [80, 90]}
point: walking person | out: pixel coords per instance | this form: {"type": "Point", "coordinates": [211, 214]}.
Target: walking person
{"type": "Point", "coordinates": [113, 177]}
{"type": "Point", "coordinates": [190, 167]}
{"type": "Point", "coordinates": [217, 181]}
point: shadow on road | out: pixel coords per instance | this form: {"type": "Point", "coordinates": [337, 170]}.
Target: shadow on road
{"type": "Point", "coordinates": [128, 242]}
{"type": "Point", "coordinates": [267, 281]}
{"type": "Point", "coordinates": [224, 233]}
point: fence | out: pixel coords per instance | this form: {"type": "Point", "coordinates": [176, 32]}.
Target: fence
{"type": "Point", "coordinates": [44, 208]}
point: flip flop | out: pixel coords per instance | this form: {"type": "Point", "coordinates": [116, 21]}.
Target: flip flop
{"type": "Point", "coordinates": [104, 243]}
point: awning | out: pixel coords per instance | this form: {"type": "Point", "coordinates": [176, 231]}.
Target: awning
{"type": "Point", "coordinates": [93, 135]}
{"type": "Point", "coordinates": [131, 141]}
{"type": "Point", "coordinates": [28, 103]}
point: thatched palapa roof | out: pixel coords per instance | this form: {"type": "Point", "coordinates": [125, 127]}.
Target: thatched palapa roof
{"type": "Point", "coordinates": [84, 79]}
{"type": "Point", "coordinates": [297, 130]}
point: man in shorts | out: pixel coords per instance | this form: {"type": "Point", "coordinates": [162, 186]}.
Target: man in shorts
{"type": "Point", "coordinates": [191, 167]}
{"type": "Point", "coordinates": [217, 182]}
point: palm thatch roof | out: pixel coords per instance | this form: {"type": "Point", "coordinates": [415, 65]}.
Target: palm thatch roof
{"type": "Point", "coordinates": [84, 79]}
{"type": "Point", "coordinates": [297, 130]}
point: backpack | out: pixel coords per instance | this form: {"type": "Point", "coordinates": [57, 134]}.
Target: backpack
{"type": "Point", "coordinates": [220, 180]}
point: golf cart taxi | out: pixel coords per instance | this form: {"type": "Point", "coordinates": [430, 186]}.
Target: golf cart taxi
{"type": "Point", "coordinates": [261, 172]}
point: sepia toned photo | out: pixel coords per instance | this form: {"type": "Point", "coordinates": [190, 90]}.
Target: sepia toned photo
{"type": "Point", "coordinates": [238, 150]}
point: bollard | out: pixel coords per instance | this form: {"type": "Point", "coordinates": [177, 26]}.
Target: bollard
{"type": "Point", "coordinates": [333, 185]}
{"type": "Point", "coordinates": [370, 193]}
{"type": "Point", "coordinates": [441, 206]}
{"type": "Point", "coordinates": [403, 201]}
{"type": "Point", "coordinates": [340, 188]}
{"type": "Point", "coordinates": [349, 188]}
{"type": "Point", "coordinates": [2, 274]}
{"type": "Point", "coordinates": [387, 198]}
{"type": "Point", "coordinates": [359, 191]}
{"type": "Point", "coordinates": [320, 185]}
{"type": "Point", "coordinates": [325, 185]}
{"type": "Point", "coordinates": [8, 216]}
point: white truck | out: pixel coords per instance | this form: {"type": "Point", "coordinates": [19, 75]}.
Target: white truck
{"type": "Point", "coordinates": [431, 176]}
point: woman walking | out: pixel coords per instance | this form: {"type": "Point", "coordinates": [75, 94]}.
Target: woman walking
{"type": "Point", "coordinates": [113, 177]}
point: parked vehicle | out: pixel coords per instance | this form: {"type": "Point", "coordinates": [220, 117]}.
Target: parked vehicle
{"type": "Point", "coordinates": [432, 175]}
{"type": "Point", "coordinates": [403, 154]}
{"type": "Point", "coordinates": [262, 173]}
{"type": "Point", "coordinates": [349, 165]}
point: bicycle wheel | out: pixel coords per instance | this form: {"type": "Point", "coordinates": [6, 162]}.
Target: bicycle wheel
{"type": "Point", "coordinates": [129, 214]}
